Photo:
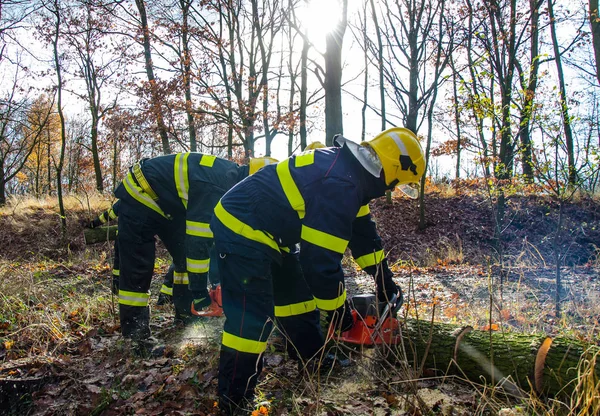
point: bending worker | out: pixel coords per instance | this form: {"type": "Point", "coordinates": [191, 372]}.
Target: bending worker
{"type": "Point", "coordinates": [319, 199]}
{"type": "Point", "coordinates": [171, 197]}
{"type": "Point", "coordinates": [166, 291]}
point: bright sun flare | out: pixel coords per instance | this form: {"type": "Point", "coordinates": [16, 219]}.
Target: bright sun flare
{"type": "Point", "coordinates": [319, 18]}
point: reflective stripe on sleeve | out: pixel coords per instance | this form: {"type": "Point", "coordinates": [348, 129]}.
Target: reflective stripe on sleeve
{"type": "Point", "coordinates": [371, 259]}
{"type": "Point", "coordinates": [198, 229]}
{"type": "Point", "coordinates": [364, 210]}
{"type": "Point", "coordinates": [295, 309]}
{"type": "Point", "coordinates": [133, 298]}
{"type": "Point", "coordinates": [116, 272]}
{"type": "Point", "coordinates": [166, 290]}
{"type": "Point", "coordinates": [243, 344]}
{"type": "Point", "coordinates": [111, 213]}
{"type": "Point", "coordinates": [180, 278]}
{"type": "Point", "coordinates": [331, 304]}
{"type": "Point", "coordinates": [290, 189]}
{"type": "Point", "coordinates": [181, 177]}
{"type": "Point", "coordinates": [242, 229]}
{"type": "Point", "coordinates": [139, 195]}
{"type": "Point", "coordinates": [198, 266]}
{"type": "Point", "coordinates": [322, 239]}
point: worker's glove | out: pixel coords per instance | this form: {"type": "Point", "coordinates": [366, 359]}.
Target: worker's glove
{"type": "Point", "coordinates": [387, 290]}
{"type": "Point", "coordinates": [201, 300]}
{"type": "Point", "coordinates": [93, 224]}
{"type": "Point", "coordinates": [392, 294]}
{"type": "Point", "coordinates": [341, 318]}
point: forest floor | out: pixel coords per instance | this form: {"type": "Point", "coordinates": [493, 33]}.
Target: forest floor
{"type": "Point", "coordinates": [61, 352]}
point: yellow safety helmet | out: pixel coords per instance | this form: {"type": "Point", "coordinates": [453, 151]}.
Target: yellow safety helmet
{"type": "Point", "coordinates": [314, 145]}
{"type": "Point", "coordinates": [400, 154]}
{"type": "Point", "coordinates": [260, 162]}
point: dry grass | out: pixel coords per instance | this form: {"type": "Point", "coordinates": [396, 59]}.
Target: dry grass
{"type": "Point", "coordinates": [47, 306]}
{"type": "Point", "coordinates": [23, 206]}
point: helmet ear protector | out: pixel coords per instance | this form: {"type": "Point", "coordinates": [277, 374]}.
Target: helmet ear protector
{"type": "Point", "coordinates": [257, 163]}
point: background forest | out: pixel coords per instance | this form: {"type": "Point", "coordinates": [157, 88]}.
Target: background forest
{"type": "Point", "coordinates": [503, 94]}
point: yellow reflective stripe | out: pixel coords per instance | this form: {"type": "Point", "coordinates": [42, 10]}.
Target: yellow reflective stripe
{"type": "Point", "coordinates": [285, 249]}
{"type": "Point", "coordinates": [166, 290]}
{"type": "Point", "coordinates": [139, 195]}
{"type": "Point", "coordinates": [295, 308]}
{"type": "Point", "coordinates": [208, 160]}
{"type": "Point", "coordinates": [290, 189]}
{"type": "Point", "coordinates": [180, 278]}
{"type": "Point", "coordinates": [117, 272]}
{"type": "Point", "coordinates": [198, 266]}
{"type": "Point", "coordinates": [305, 158]}
{"type": "Point", "coordinates": [322, 239]}
{"type": "Point", "coordinates": [364, 210]}
{"type": "Point", "coordinates": [133, 298]}
{"type": "Point", "coordinates": [243, 344]}
{"type": "Point", "coordinates": [141, 179]}
{"type": "Point", "coordinates": [242, 229]}
{"type": "Point", "coordinates": [331, 304]}
{"type": "Point", "coordinates": [370, 259]}
{"type": "Point", "coordinates": [112, 214]}
{"type": "Point", "coordinates": [181, 177]}
{"type": "Point", "coordinates": [198, 229]}
{"type": "Point", "coordinates": [102, 218]}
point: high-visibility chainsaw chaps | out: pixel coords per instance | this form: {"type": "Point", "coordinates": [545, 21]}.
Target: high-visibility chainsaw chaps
{"type": "Point", "coordinates": [216, 306]}
{"type": "Point", "coordinates": [374, 323]}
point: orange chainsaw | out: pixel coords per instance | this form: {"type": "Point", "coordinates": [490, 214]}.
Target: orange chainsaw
{"type": "Point", "coordinates": [374, 322]}
{"type": "Point", "coordinates": [216, 306]}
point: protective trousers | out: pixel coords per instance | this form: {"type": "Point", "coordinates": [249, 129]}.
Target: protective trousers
{"type": "Point", "coordinates": [137, 230]}
{"type": "Point", "coordinates": [254, 291]}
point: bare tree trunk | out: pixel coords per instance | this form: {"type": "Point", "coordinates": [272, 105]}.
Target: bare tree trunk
{"type": "Point", "coordinates": [529, 94]}
{"type": "Point", "coordinates": [154, 96]}
{"type": "Point", "coordinates": [595, 26]}
{"type": "Point", "coordinates": [63, 135]}
{"type": "Point", "coordinates": [187, 73]}
{"type": "Point", "coordinates": [334, 123]}
{"type": "Point", "coordinates": [456, 116]}
{"type": "Point", "coordinates": [379, 65]}
{"type": "Point", "coordinates": [95, 155]}
{"type": "Point", "coordinates": [363, 111]}
{"type": "Point", "coordinates": [303, 90]}
{"type": "Point", "coordinates": [563, 98]}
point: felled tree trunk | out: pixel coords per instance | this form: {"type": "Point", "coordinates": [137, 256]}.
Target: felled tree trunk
{"type": "Point", "coordinates": [548, 365]}
{"type": "Point", "coordinates": [100, 234]}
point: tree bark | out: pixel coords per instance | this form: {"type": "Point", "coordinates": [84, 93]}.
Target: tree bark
{"type": "Point", "coordinates": [495, 356]}
{"type": "Point", "coordinates": [379, 65]}
{"type": "Point", "coordinates": [334, 120]}
{"type": "Point", "coordinates": [572, 174]}
{"type": "Point", "coordinates": [595, 26]}
{"type": "Point", "coordinates": [154, 96]}
{"type": "Point", "coordinates": [187, 73]}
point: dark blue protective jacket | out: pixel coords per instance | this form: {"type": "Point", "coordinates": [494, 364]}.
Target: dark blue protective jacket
{"type": "Point", "coordinates": [183, 187]}
{"type": "Point", "coordinates": [319, 199]}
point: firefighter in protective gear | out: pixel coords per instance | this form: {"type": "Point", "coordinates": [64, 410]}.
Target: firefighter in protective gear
{"type": "Point", "coordinates": [319, 199]}
{"type": "Point", "coordinates": [171, 197]}
{"type": "Point", "coordinates": [166, 291]}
